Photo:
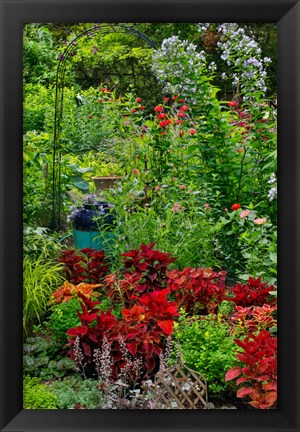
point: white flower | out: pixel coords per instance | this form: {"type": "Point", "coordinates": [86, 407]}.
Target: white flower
{"type": "Point", "coordinates": [272, 193]}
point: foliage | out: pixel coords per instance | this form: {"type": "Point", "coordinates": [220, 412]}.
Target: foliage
{"type": "Point", "coordinates": [39, 241]}
{"type": "Point", "coordinates": [248, 244]}
{"type": "Point", "coordinates": [259, 376]}
{"type": "Point", "coordinates": [176, 216]}
{"type": "Point", "coordinates": [85, 265]}
{"type": "Point", "coordinates": [143, 329]}
{"type": "Point", "coordinates": [253, 319]}
{"type": "Point", "coordinates": [149, 264]}
{"type": "Point", "coordinates": [68, 291]}
{"type": "Point", "coordinates": [76, 393]}
{"type": "Point", "coordinates": [42, 358]}
{"type": "Point", "coordinates": [63, 316]}
{"type": "Point", "coordinates": [38, 54]}
{"type": "Point", "coordinates": [197, 291]}
{"type": "Point", "coordinates": [40, 278]}
{"type": "Point", "coordinates": [37, 395]}
{"type": "Point", "coordinates": [208, 348]}
{"type": "Point", "coordinates": [252, 293]}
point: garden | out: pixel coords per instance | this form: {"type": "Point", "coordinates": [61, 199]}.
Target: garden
{"type": "Point", "coordinates": [150, 216]}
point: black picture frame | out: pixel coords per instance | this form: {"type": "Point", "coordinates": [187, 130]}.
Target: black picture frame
{"type": "Point", "coordinates": [14, 13]}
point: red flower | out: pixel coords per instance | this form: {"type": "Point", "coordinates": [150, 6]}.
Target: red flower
{"type": "Point", "coordinates": [192, 131]}
{"type": "Point", "coordinates": [161, 116]}
{"type": "Point", "coordinates": [141, 107]}
{"type": "Point", "coordinates": [232, 104]}
{"type": "Point", "coordinates": [166, 99]}
{"type": "Point", "coordinates": [181, 114]}
{"type": "Point", "coordinates": [184, 107]}
{"type": "Point", "coordinates": [175, 97]}
{"type": "Point", "coordinates": [180, 100]}
{"type": "Point", "coordinates": [235, 206]}
{"type": "Point", "coordinates": [133, 110]}
{"type": "Point", "coordinates": [181, 133]}
{"type": "Point", "coordinates": [100, 100]}
{"type": "Point", "coordinates": [158, 108]}
{"type": "Point", "coordinates": [138, 100]}
{"type": "Point", "coordinates": [90, 116]}
{"type": "Point", "coordinates": [164, 123]}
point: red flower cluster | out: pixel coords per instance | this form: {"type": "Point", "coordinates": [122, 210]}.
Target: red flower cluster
{"type": "Point", "coordinates": [85, 265]}
{"type": "Point", "coordinates": [235, 206]}
{"type": "Point", "coordinates": [165, 123]}
{"type": "Point", "coordinates": [162, 116]}
{"type": "Point", "coordinates": [158, 108]}
{"type": "Point", "coordinates": [198, 291]}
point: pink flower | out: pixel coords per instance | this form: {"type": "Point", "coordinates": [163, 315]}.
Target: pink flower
{"type": "Point", "coordinates": [260, 221]}
{"type": "Point", "coordinates": [244, 213]}
{"type": "Point", "coordinates": [207, 206]}
{"type": "Point", "coordinates": [157, 188]}
{"type": "Point", "coordinates": [176, 207]}
{"type": "Point", "coordinates": [182, 186]}
{"type": "Point", "coordinates": [135, 171]}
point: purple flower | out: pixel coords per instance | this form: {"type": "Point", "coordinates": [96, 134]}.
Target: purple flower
{"type": "Point", "coordinates": [60, 57]}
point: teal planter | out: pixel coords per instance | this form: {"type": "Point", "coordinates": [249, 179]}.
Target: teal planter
{"type": "Point", "coordinates": [93, 240]}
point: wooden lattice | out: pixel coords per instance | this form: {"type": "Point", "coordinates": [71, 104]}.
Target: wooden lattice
{"type": "Point", "coordinates": [179, 387]}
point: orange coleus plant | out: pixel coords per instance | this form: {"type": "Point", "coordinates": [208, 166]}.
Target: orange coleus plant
{"type": "Point", "coordinates": [68, 291]}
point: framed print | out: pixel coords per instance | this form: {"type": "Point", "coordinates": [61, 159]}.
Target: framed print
{"type": "Point", "coordinates": [141, 216]}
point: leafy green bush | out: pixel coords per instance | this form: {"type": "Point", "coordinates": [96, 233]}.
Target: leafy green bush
{"type": "Point", "coordinates": [38, 241]}
{"type": "Point", "coordinates": [74, 392]}
{"type": "Point", "coordinates": [40, 278]}
{"type": "Point", "coordinates": [37, 395]}
{"type": "Point", "coordinates": [42, 358]}
{"type": "Point", "coordinates": [174, 216]}
{"type": "Point", "coordinates": [248, 244]}
{"type": "Point", "coordinates": [208, 348]}
{"type": "Point", "coordinates": [63, 317]}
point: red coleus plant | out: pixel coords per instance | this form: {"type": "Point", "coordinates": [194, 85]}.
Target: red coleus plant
{"type": "Point", "coordinates": [144, 329]}
{"type": "Point", "coordinates": [67, 291]}
{"type": "Point", "coordinates": [198, 290]}
{"type": "Point", "coordinates": [252, 293]}
{"type": "Point", "coordinates": [84, 265]}
{"type": "Point", "coordinates": [259, 376]}
{"type": "Point", "coordinates": [150, 265]}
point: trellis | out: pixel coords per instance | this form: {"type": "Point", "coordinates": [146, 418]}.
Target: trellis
{"type": "Point", "coordinates": [179, 387]}
{"type": "Point", "coordinates": [58, 113]}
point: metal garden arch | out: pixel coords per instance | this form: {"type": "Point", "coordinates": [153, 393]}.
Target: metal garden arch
{"type": "Point", "coordinates": [58, 113]}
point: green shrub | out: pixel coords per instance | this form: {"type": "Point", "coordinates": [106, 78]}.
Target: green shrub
{"type": "Point", "coordinates": [62, 318]}
{"type": "Point", "coordinates": [38, 241]}
{"type": "Point", "coordinates": [37, 395]}
{"type": "Point", "coordinates": [40, 278]}
{"type": "Point", "coordinates": [208, 348]}
{"type": "Point", "coordinates": [74, 392]}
